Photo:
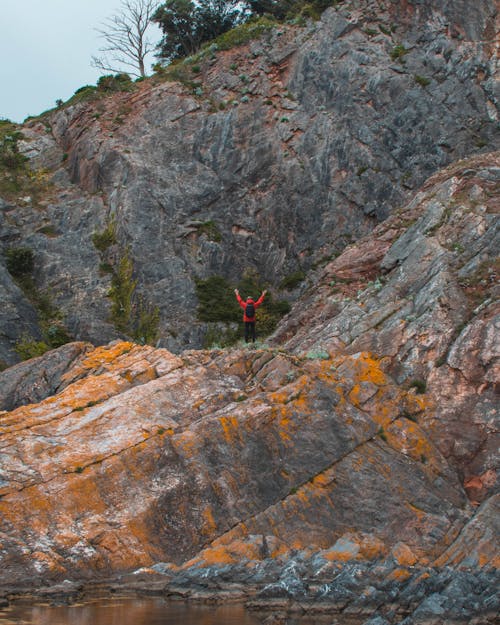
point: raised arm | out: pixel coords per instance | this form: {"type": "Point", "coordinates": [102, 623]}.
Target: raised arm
{"type": "Point", "coordinates": [238, 297]}
{"type": "Point", "coordinates": [261, 298]}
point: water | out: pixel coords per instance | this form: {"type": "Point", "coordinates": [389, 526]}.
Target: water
{"type": "Point", "coordinates": [149, 611]}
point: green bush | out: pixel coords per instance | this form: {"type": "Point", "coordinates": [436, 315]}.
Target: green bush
{"type": "Point", "coordinates": [216, 301]}
{"type": "Point", "coordinates": [112, 83]}
{"type": "Point", "coordinates": [56, 334]}
{"type": "Point", "coordinates": [122, 289]}
{"type": "Point", "coordinates": [419, 385]}
{"type": "Point", "coordinates": [422, 80]}
{"type": "Point", "coordinates": [398, 52]}
{"type": "Point", "coordinates": [292, 280]}
{"type": "Point", "coordinates": [106, 238]}
{"type": "Point", "coordinates": [146, 330]}
{"type": "Point", "coordinates": [20, 261]}
{"type": "Point", "coordinates": [27, 347]}
{"type": "Point", "coordinates": [243, 33]}
{"type": "Point", "coordinates": [382, 434]}
{"type": "Point", "coordinates": [210, 230]}
{"type": "Point", "coordinates": [10, 157]}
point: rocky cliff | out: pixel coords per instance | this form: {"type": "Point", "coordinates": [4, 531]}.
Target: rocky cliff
{"type": "Point", "coordinates": [269, 156]}
{"type": "Point", "coordinates": [349, 466]}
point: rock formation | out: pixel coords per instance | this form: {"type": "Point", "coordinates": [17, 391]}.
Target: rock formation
{"type": "Point", "coordinates": [351, 463]}
{"type": "Point", "coordinates": [269, 156]}
{"type": "Point", "coordinates": [349, 466]}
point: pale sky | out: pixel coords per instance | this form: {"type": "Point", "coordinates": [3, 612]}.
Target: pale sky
{"type": "Point", "coordinates": [45, 51]}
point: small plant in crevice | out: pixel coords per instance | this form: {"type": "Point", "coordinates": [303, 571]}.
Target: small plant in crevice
{"type": "Point", "coordinates": [408, 415]}
{"type": "Point", "coordinates": [20, 262]}
{"type": "Point", "coordinates": [381, 433]}
{"type": "Point", "coordinates": [439, 362]}
{"type": "Point", "coordinates": [398, 52]}
{"type": "Point", "coordinates": [106, 238]}
{"type": "Point", "coordinates": [210, 230]}
{"type": "Point", "coordinates": [422, 80]}
{"type": "Point", "coordinates": [122, 289]}
{"type": "Point", "coordinates": [419, 385]}
{"type": "Point", "coordinates": [131, 313]}
{"type": "Point", "coordinates": [292, 280]}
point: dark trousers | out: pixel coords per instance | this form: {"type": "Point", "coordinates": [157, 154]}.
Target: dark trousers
{"type": "Point", "coordinates": [249, 331]}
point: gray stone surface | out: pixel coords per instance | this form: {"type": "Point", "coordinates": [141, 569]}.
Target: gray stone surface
{"type": "Point", "coordinates": [327, 136]}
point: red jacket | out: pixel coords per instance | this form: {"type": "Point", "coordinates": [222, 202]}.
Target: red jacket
{"type": "Point", "coordinates": [243, 304]}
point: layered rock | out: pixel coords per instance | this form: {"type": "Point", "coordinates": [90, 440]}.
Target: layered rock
{"type": "Point", "coordinates": [422, 293]}
{"type": "Point", "coordinates": [289, 147]}
{"type": "Point", "coordinates": [350, 467]}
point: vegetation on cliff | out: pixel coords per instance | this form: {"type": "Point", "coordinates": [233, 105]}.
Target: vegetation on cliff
{"type": "Point", "coordinates": [217, 305]}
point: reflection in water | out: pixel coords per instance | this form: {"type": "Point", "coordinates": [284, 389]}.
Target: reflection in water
{"type": "Point", "coordinates": [150, 611]}
{"type": "Point", "coordinates": [127, 612]}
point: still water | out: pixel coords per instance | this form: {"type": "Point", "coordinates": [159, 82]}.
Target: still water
{"type": "Point", "coordinates": [150, 611]}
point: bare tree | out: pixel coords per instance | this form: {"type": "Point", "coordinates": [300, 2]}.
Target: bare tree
{"type": "Point", "coordinates": [126, 44]}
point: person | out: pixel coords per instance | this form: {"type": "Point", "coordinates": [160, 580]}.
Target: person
{"type": "Point", "coordinates": [249, 308]}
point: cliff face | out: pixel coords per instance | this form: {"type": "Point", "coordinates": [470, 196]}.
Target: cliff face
{"type": "Point", "coordinates": [351, 466]}
{"type": "Point", "coordinates": [270, 156]}
{"type": "Point", "coordinates": [422, 293]}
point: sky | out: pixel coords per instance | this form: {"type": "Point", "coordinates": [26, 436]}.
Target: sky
{"type": "Point", "coordinates": [45, 51]}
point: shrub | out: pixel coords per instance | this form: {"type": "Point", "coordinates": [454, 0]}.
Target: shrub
{"type": "Point", "coordinates": [292, 280]}
{"type": "Point", "coordinates": [422, 80]}
{"type": "Point", "coordinates": [243, 33]}
{"type": "Point", "coordinates": [112, 83]}
{"type": "Point", "coordinates": [20, 261]}
{"type": "Point", "coordinates": [419, 385]}
{"type": "Point", "coordinates": [56, 334]}
{"type": "Point", "coordinates": [146, 330]}
{"type": "Point", "coordinates": [216, 301]}
{"type": "Point", "coordinates": [210, 230]}
{"type": "Point", "coordinates": [121, 291]}
{"type": "Point", "coordinates": [106, 238]}
{"type": "Point", "coordinates": [382, 434]}
{"type": "Point", "coordinates": [27, 347]}
{"type": "Point", "coordinates": [10, 157]}
{"type": "Point", "coordinates": [218, 304]}
{"type": "Point", "coordinates": [398, 52]}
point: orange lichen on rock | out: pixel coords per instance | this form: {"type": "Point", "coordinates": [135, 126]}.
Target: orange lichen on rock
{"type": "Point", "coordinates": [104, 355]}
{"type": "Point", "coordinates": [209, 526]}
{"type": "Point", "coordinates": [371, 547]}
{"type": "Point", "coordinates": [230, 428]}
{"type": "Point", "coordinates": [409, 438]}
{"type": "Point", "coordinates": [399, 574]}
{"type": "Point", "coordinates": [368, 370]}
{"type": "Point", "coordinates": [403, 555]}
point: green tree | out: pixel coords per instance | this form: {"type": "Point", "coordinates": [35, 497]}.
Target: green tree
{"type": "Point", "coordinates": [186, 25]}
{"type": "Point", "coordinates": [278, 9]}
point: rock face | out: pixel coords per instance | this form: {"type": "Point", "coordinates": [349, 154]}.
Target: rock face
{"type": "Point", "coordinates": [423, 295]}
{"type": "Point", "coordinates": [349, 467]}
{"type": "Point", "coordinates": [288, 147]}
{"type": "Point", "coordinates": [351, 464]}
